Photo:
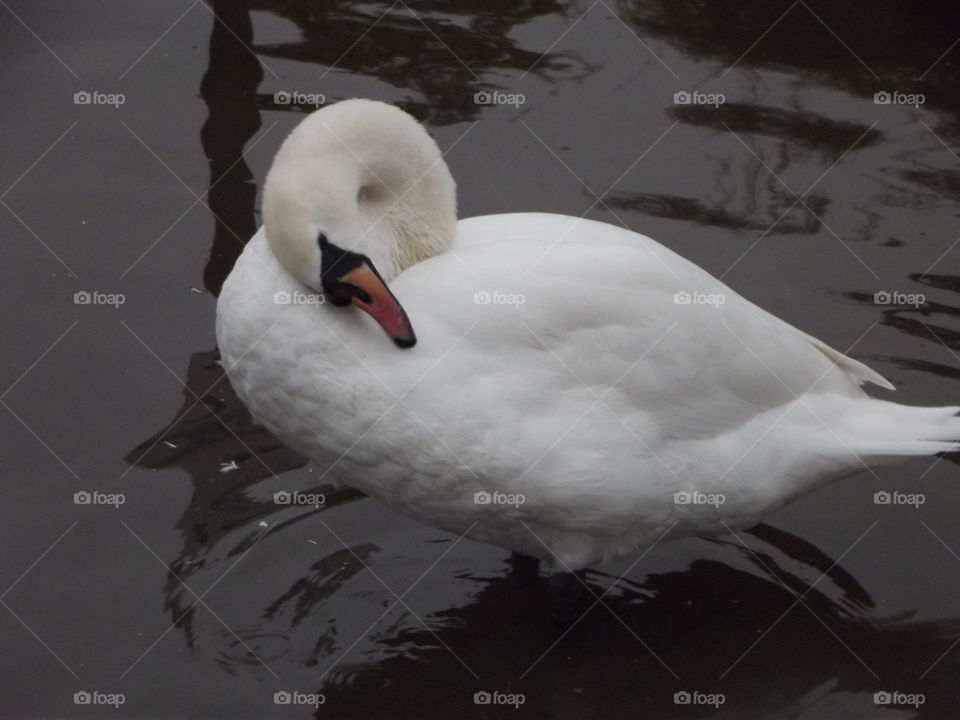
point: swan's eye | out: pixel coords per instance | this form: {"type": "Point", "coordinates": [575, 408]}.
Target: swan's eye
{"type": "Point", "coordinates": [322, 240]}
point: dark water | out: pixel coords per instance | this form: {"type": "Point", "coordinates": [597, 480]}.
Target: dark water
{"type": "Point", "coordinates": [200, 597]}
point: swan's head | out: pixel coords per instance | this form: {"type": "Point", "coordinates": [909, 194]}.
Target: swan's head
{"type": "Point", "coordinates": [356, 194]}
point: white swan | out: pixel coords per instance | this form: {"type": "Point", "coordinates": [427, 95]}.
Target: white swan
{"type": "Point", "coordinates": [560, 398]}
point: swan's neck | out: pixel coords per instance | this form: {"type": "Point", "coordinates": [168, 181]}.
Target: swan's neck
{"type": "Point", "coordinates": [368, 177]}
{"type": "Point", "coordinates": [412, 214]}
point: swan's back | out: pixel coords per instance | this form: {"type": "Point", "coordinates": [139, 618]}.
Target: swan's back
{"type": "Point", "coordinates": [603, 307]}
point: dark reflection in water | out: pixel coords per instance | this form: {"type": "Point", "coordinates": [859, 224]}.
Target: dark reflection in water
{"type": "Point", "coordinates": [944, 282]}
{"type": "Point", "coordinates": [807, 130]}
{"type": "Point", "coordinates": [896, 49]}
{"type": "Point", "coordinates": [438, 49]}
{"type": "Point", "coordinates": [940, 183]}
{"type": "Point", "coordinates": [698, 619]}
{"type": "Point", "coordinates": [803, 220]}
{"type": "Point", "coordinates": [686, 620]}
{"type": "Point", "coordinates": [797, 135]}
{"type": "Point", "coordinates": [896, 45]}
{"type": "Point", "coordinates": [926, 322]}
{"type": "Point", "coordinates": [229, 89]}
{"type": "Point", "coordinates": [225, 454]}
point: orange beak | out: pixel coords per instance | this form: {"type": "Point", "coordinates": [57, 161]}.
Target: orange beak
{"type": "Point", "coordinates": [378, 302]}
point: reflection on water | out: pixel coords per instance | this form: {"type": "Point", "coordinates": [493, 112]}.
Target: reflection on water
{"type": "Point", "coordinates": [678, 620]}
{"type": "Point", "coordinates": [229, 89]}
{"type": "Point", "coordinates": [441, 51]}
{"type": "Point", "coordinates": [926, 322]}
{"type": "Point", "coordinates": [823, 662]}
{"type": "Point", "coordinates": [897, 45]}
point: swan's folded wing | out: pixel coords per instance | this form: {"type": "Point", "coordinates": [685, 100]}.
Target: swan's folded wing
{"type": "Point", "coordinates": [580, 304]}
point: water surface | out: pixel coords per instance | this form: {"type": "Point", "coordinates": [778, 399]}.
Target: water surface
{"type": "Point", "coordinates": [201, 597]}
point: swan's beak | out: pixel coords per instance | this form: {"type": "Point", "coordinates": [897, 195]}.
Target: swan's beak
{"type": "Point", "coordinates": [375, 299]}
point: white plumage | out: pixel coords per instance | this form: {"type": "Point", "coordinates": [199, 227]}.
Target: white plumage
{"type": "Point", "coordinates": [556, 360]}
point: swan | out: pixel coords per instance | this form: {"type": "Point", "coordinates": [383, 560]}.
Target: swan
{"type": "Point", "coordinates": [553, 385]}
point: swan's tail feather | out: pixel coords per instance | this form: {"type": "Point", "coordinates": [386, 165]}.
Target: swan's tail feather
{"type": "Point", "coordinates": [878, 429]}
{"type": "Point", "coordinates": [868, 450]}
